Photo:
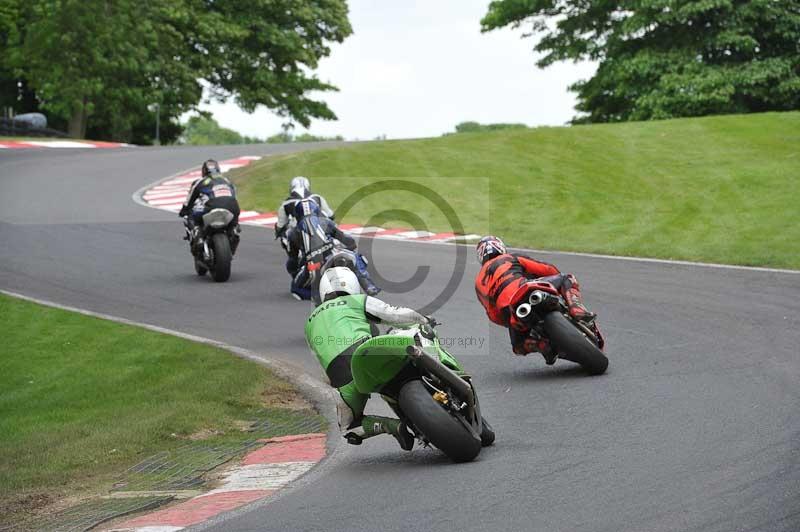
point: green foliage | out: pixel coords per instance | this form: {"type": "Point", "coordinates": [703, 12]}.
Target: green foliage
{"type": "Point", "coordinates": [668, 58]}
{"type": "Point", "coordinates": [284, 137]}
{"type": "Point", "coordinates": [472, 127]}
{"type": "Point", "coordinates": [204, 130]}
{"type": "Point", "coordinates": [104, 62]}
{"type": "Point", "coordinates": [308, 137]}
{"type": "Point", "coordinates": [716, 189]}
{"type": "Point", "coordinates": [280, 138]}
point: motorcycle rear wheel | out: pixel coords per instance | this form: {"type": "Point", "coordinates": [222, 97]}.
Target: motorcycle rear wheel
{"type": "Point", "coordinates": [222, 257]}
{"type": "Point", "coordinates": [444, 431]}
{"type": "Point", "coordinates": [572, 345]}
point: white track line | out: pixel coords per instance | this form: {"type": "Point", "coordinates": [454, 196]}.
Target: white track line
{"type": "Point", "coordinates": [661, 261]}
{"type": "Point", "coordinates": [262, 477]}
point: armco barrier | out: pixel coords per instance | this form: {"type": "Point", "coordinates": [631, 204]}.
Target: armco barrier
{"type": "Point", "coordinates": [15, 128]}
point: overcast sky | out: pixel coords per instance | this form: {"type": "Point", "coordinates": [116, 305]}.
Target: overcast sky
{"type": "Point", "coordinates": [416, 68]}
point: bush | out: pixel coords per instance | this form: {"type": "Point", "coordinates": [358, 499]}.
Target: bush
{"type": "Point", "coordinates": [474, 127]}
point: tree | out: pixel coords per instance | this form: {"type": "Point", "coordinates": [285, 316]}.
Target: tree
{"type": "Point", "coordinates": [10, 16]}
{"type": "Point", "coordinates": [474, 127]}
{"type": "Point", "coordinates": [667, 58]}
{"type": "Point", "coordinates": [204, 130]}
{"type": "Point", "coordinates": [308, 137]}
{"type": "Point", "coordinates": [268, 48]}
{"type": "Point", "coordinates": [100, 63]}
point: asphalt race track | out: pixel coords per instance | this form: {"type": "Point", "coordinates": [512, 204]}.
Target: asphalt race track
{"type": "Point", "coordinates": [696, 425]}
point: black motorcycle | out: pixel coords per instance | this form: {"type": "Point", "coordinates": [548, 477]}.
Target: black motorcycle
{"type": "Point", "coordinates": [213, 243]}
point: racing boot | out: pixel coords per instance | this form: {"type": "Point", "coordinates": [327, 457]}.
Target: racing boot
{"type": "Point", "coordinates": [549, 354]}
{"type": "Point", "coordinates": [541, 345]}
{"type": "Point", "coordinates": [363, 276]}
{"type": "Point", "coordinates": [298, 288]}
{"type": "Point", "coordinates": [370, 288]}
{"type": "Point", "coordinates": [374, 425]}
{"type": "Point", "coordinates": [234, 238]}
{"type": "Point", "coordinates": [571, 291]}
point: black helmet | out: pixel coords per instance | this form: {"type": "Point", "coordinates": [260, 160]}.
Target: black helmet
{"type": "Point", "coordinates": [211, 168]}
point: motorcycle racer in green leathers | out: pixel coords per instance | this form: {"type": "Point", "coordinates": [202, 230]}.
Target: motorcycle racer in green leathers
{"type": "Point", "coordinates": [344, 320]}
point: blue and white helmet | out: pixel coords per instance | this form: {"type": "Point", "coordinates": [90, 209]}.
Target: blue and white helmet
{"type": "Point", "coordinates": [299, 187]}
{"type": "Point", "coordinates": [489, 247]}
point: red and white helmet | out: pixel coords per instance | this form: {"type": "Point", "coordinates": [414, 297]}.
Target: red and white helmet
{"type": "Point", "coordinates": [489, 247]}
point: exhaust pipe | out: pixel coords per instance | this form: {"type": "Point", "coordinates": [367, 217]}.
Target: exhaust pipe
{"type": "Point", "coordinates": [523, 310]}
{"type": "Point", "coordinates": [536, 297]}
{"type": "Point", "coordinates": [432, 365]}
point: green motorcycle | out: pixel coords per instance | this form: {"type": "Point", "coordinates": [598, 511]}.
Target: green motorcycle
{"type": "Point", "coordinates": [426, 387]}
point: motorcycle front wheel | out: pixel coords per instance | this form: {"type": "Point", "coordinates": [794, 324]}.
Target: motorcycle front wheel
{"type": "Point", "coordinates": [572, 345]}
{"type": "Point", "coordinates": [447, 433]}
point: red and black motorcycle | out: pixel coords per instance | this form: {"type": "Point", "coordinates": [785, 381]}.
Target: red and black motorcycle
{"type": "Point", "coordinates": [539, 307]}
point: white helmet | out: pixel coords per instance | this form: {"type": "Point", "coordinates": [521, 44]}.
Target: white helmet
{"type": "Point", "coordinates": [338, 281]}
{"type": "Point", "coordinates": [301, 185]}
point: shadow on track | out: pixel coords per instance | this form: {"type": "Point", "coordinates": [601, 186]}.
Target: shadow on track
{"type": "Point", "coordinates": [567, 372]}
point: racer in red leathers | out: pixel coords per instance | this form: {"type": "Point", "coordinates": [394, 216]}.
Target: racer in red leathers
{"type": "Point", "coordinates": [499, 279]}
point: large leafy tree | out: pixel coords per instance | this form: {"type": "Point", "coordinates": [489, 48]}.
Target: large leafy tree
{"type": "Point", "coordinates": [100, 64]}
{"type": "Point", "coordinates": [667, 58]}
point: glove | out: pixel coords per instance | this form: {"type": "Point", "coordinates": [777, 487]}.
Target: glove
{"type": "Point", "coordinates": [184, 211]}
{"type": "Point", "coordinates": [432, 321]}
{"type": "Point", "coordinates": [427, 329]}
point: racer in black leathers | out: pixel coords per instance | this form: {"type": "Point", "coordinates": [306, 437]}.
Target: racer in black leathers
{"type": "Point", "coordinates": [311, 233]}
{"type": "Point", "coordinates": [299, 188]}
{"type": "Point", "coordinates": [211, 191]}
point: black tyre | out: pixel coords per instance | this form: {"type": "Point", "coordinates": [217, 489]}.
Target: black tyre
{"type": "Point", "coordinates": [222, 257]}
{"type": "Point", "coordinates": [572, 345]}
{"type": "Point", "coordinates": [199, 268]}
{"type": "Point", "coordinates": [447, 433]}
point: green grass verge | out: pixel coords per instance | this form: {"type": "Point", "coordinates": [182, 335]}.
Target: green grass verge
{"type": "Point", "coordinates": [84, 398]}
{"type": "Point", "coordinates": [720, 189]}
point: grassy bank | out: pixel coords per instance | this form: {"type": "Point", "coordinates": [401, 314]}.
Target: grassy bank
{"type": "Point", "coordinates": [721, 189]}
{"type": "Point", "coordinates": [83, 399]}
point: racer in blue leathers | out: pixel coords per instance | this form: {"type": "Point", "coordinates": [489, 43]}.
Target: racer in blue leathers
{"type": "Point", "coordinates": [299, 189]}
{"type": "Point", "coordinates": [312, 233]}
